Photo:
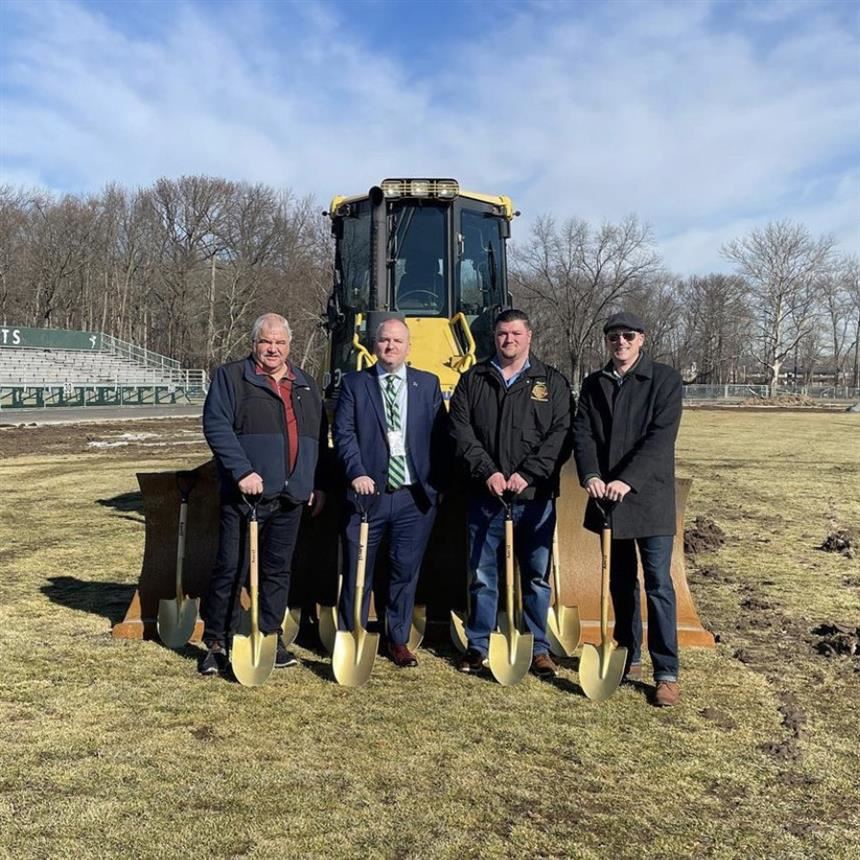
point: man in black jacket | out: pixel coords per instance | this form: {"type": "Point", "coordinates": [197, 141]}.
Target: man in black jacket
{"type": "Point", "coordinates": [624, 443]}
{"type": "Point", "coordinates": [265, 423]}
{"type": "Point", "coordinates": [510, 418]}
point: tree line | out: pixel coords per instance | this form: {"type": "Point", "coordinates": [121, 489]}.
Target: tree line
{"type": "Point", "coordinates": [184, 266]}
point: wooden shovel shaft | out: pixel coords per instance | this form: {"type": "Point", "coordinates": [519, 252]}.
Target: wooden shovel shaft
{"type": "Point", "coordinates": [606, 558]}
{"type": "Point", "coordinates": [180, 549]}
{"type": "Point", "coordinates": [359, 575]}
{"type": "Point", "coordinates": [509, 583]}
{"type": "Point", "coordinates": [255, 577]}
{"type": "Point", "coordinates": [556, 569]}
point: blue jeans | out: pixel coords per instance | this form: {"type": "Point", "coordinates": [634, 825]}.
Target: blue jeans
{"type": "Point", "coordinates": [534, 524]}
{"type": "Point", "coordinates": [656, 555]}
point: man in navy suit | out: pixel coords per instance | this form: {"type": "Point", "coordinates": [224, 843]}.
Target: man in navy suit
{"type": "Point", "coordinates": [388, 429]}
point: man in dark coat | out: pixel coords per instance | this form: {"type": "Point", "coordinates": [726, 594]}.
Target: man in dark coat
{"type": "Point", "coordinates": [624, 436]}
{"type": "Point", "coordinates": [389, 437]}
{"type": "Point", "coordinates": [510, 420]}
{"type": "Point", "coordinates": [265, 423]}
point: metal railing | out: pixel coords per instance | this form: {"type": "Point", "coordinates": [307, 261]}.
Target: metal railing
{"type": "Point", "coordinates": [762, 392]}
{"type": "Point", "coordinates": [138, 354]}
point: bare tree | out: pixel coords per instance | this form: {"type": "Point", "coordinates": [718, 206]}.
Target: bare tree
{"type": "Point", "coordinates": [781, 262]}
{"type": "Point", "coordinates": [572, 277]}
{"type": "Point", "coordinates": [851, 280]}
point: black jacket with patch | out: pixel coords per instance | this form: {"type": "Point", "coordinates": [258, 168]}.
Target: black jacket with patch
{"type": "Point", "coordinates": [523, 429]}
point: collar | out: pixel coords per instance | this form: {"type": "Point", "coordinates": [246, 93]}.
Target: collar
{"type": "Point", "coordinates": [495, 362]}
{"type": "Point", "coordinates": [400, 373]}
{"type": "Point", "coordinates": [641, 368]}
{"type": "Point", "coordinates": [289, 375]}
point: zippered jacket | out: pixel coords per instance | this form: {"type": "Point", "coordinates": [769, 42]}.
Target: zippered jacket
{"type": "Point", "coordinates": [244, 424]}
{"type": "Point", "coordinates": [523, 429]}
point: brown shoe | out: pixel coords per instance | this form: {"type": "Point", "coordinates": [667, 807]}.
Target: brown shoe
{"type": "Point", "coordinates": [544, 666]}
{"type": "Point", "coordinates": [667, 694]}
{"type": "Point", "coordinates": [401, 656]}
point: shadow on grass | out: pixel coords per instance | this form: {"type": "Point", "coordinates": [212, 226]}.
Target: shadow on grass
{"type": "Point", "coordinates": [108, 599]}
{"type": "Point", "coordinates": [125, 503]}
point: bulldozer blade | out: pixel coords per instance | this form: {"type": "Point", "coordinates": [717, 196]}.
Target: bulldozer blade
{"type": "Point", "coordinates": [457, 627]}
{"type": "Point", "coordinates": [292, 621]}
{"type": "Point", "coordinates": [563, 630]}
{"type": "Point", "coordinates": [327, 626]}
{"type": "Point", "coordinates": [601, 668]}
{"type": "Point", "coordinates": [253, 658]}
{"type": "Point", "coordinates": [176, 620]}
{"type": "Point", "coordinates": [510, 656]}
{"type": "Point", "coordinates": [353, 656]}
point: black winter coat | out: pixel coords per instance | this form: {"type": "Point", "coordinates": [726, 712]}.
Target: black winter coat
{"type": "Point", "coordinates": [523, 429]}
{"type": "Point", "coordinates": [633, 440]}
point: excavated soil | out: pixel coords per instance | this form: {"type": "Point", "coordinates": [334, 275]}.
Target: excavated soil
{"type": "Point", "coordinates": [703, 535]}
{"type": "Point", "coordinates": [841, 541]}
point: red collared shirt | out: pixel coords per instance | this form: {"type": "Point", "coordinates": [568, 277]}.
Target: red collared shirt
{"type": "Point", "coordinates": [284, 389]}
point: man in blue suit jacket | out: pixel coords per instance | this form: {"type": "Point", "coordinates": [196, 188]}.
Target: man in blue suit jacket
{"type": "Point", "coordinates": [389, 429]}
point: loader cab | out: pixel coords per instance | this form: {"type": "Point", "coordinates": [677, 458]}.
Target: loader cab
{"type": "Point", "coordinates": [424, 251]}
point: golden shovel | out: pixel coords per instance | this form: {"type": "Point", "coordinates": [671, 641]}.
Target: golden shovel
{"type": "Point", "coordinates": [355, 650]}
{"type": "Point", "coordinates": [563, 630]}
{"type": "Point", "coordinates": [178, 617]}
{"type": "Point", "coordinates": [253, 656]}
{"type": "Point", "coordinates": [291, 625]}
{"type": "Point", "coordinates": [510, 652]}
{"type": "Point", "coordinates": [601, 668]}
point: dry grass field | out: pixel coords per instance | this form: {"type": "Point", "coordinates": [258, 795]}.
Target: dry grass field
{"type": "Point", "coordinates": [115, 748]}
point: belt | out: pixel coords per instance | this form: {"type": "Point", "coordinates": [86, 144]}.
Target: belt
{"type": "Point", "coordinates": [398, 489]}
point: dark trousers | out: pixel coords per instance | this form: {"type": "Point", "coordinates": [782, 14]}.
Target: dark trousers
{"type": "Point", "coordinates": [656, 555]}
{"type": "Point", "coordinates": [408, 523]}
{"type": "Point", "coordinates": [277, 531]}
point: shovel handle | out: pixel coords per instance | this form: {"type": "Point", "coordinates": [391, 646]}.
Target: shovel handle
{"type": "Point", "coordinates": [254, 564]}
{"type": "Point", "coordinates": [360, 564]}
{"type": "Point", "coordinates": [180, 548]}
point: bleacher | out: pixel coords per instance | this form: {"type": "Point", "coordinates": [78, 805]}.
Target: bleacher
{"type": "Point", "coordinates": [47, 367]}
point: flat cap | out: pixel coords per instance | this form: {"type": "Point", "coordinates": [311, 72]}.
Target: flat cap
{"type": "Point", "coordinates": [625, 320]}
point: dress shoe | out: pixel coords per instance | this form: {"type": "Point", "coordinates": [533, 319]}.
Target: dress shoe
{"type": "Point", "coordinates": [667, 694]}
{"type": "Point", "coordinates": [401, 656]}
{"type": "Point", "coordinates": [472, 662]}
{"type": "Point", "coordinates": [544, 666]}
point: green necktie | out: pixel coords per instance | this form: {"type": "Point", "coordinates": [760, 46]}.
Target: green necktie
{"type": "Point", "coordinates": [396, 463]}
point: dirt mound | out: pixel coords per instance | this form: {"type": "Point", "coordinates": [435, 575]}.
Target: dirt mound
{"type": "Point", "coordinates": [781, 400]}
{"type": "Point", "coordinates": [837, 639]}
{"type": "Point", "coordinates": [703, 535]}
{"type": "Point", "coordinates": [841, 541]}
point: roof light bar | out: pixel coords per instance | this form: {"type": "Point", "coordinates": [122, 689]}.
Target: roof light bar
{"type": "Point", "coordinates": [422, 188]}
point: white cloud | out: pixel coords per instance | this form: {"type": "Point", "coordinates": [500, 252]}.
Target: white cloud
{"type": "Point", "coordinates": [669, 110]}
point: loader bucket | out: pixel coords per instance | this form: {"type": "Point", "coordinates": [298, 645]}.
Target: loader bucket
{"type": "Point", "coordinates": [441, 587]}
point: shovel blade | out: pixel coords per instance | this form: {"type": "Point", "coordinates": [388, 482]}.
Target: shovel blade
{"type": "Point", "coordinates": [253, 658]}
{"type": "Point", "coordinates": [353, 656]}
{"type": "Point", "coordinates": [327, 626]}
{"type": "Point", "coordinates": [510, 656]}
{"type": "Point", "coordinates": [563, 630]}
{"type": "Point", "coordinates": [601, 668]}
{"type": "Point", "coordinates": [176, 621]}
{"type": "Point", "coordinates": [290, 627]}
{"type": "Point", "coordinates": [419, 627]}
{"type": "Point", "coordinates": [457, 627]}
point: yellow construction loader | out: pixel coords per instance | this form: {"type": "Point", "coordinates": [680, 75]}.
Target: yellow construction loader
{"type": "Point", "coordinates": [433, 254]}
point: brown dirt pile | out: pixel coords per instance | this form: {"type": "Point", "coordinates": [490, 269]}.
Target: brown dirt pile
{"type": "Point", "coordinates": [703, 535]}
{"type": "Point", "coordinates": [841, 541]}
{"type": "Point", "coordinates": [837, 639]}
{"type": "Point", "coordinates": [781, 400]}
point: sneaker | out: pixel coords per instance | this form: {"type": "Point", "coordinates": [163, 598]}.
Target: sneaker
{"type": "Point", "coordinates": [473, 661]}
{"type": "Point", "coordinates": [214, 661]}
{"type": "Point", "coordinates": [284, 658]}
{"type": "Point", "coordinates": [633, 675]}
{"type": "Point", "coordinates": [544, 666]}
{"type": "Point", "coordinates": [667, 694]}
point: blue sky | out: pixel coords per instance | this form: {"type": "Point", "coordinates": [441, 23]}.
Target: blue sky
{"type": "Point", "coordinates": [705, 119]}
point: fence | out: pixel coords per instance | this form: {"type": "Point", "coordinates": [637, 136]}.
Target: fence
{"type": "Point", "coordinates": [762, 392]}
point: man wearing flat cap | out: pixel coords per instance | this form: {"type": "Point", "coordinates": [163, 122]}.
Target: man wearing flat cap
{"type": "Point", "coordinates": [624, 436]}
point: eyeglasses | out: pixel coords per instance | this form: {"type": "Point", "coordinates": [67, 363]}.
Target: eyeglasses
{"type": "Point", "coordinates": [615, 336]}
